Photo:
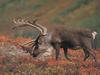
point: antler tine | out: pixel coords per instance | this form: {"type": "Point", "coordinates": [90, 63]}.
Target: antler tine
{"type": "Point", "coordinates": [22, 21]}
{"type": "Point", "coordinates": [34, 21]}
{"type": "Point", "coordinates": [14, 21]}
{"type": "Point", "coordinates": [19, 21]}
{"type": "Point", "coordinates": [25, 22]}
{"type": "Point", "coordinates": [44, 29]}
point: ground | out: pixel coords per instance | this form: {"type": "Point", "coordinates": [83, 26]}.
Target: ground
{"type": "Point", "coordinates": [14, 61]}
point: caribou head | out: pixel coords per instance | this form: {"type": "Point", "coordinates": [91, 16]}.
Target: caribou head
{"type": "Point", "coordinates": [38, 45]}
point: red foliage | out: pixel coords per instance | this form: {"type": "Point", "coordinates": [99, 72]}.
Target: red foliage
{"type": "Point", "coordinates": [4, 38]}
{"type": "Point", "coordinates": [2, 58]}
{"type": "Point", "coordinates": [76, 56]}
{"type": "Point", "coordinates": [22, 40]}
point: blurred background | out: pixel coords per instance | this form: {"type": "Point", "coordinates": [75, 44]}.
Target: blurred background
{"type": "Point", "coordinates": [75, 13]}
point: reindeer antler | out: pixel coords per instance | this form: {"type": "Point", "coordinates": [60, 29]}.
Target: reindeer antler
{"type": "Point", "coordinates": [24, 22]}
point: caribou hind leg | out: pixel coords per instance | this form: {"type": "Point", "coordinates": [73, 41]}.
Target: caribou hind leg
{"type": "Point", "coordinates": [87, 48]}
{"type": "Point", "coordinates": [86, 52]}
{"type": "Point", "coordinates": [96, 64]}
{"type": "Point", "coordinates": [92, 53]}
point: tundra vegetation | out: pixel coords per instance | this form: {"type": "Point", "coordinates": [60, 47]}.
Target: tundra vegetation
{"type": "Point", "coordinates": [15, 61]}
{"type": "Point", "coordinates": [67, 13]}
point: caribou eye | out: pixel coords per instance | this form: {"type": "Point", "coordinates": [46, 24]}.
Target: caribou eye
{"type": "Point", "coordinates": [40, 43]}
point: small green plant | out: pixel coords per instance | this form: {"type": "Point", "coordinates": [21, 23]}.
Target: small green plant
{"type": "Point", "coordinates": [57, 20]}
{"type": "Point", "coordinates": [74, 7]}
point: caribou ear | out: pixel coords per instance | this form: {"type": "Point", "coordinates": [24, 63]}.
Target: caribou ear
{"type": "Point", "coordinates": [34, 22]}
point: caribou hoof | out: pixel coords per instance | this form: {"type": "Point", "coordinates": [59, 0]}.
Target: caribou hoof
{"type": "Point", "coordinates": [69, 59]}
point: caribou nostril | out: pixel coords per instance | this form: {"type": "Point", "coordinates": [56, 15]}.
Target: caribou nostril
{"type": "Point", "coordinates": [35, 53]}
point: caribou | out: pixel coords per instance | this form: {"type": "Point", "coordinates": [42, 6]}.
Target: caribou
{"type": "Point", "coordinates": [59, 38]}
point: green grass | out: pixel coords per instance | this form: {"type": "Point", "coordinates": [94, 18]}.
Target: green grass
{"type": "Point", "coordinates": [73, 7]}
{"type": "Point", "coordinates": [92, 22]}
{"type": "Point", "coordinates": [57, 20]}
{"type": "Point", "coordinates": [7, 4]}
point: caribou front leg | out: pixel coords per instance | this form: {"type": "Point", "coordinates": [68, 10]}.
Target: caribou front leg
{"type": "Point", "coordinates": [65, 53]}
{"type": "Point", "coordinates": [57, 48]}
